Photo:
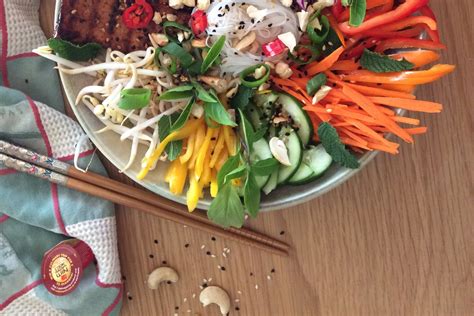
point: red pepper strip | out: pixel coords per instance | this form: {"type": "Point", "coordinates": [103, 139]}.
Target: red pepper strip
{"type": "Point", "coordinates": [357, 51]}
{"type": "Point", "coordinates": [434, 35]}
{"type": "Point", "coordinates": [383, 5]}
{"type": "Point", "coordinates": [138, 15]}
{"type": "Point", "coordinates": [418, 58]}
{"type": "Point", "coordinates": [407, 43]}
{"type": "Point", "coordinates": [403, 77]}
{"type": "Point", "coordinates": [337, 9]}
{"type": "Point", "coordinates": [404, 10]}
{"type": "Point", "coordinates": [410, 32]}
{"type": "Point", "coordinates": [409, 21]}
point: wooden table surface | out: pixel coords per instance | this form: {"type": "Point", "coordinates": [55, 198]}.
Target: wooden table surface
{"type": "Point", "coordinates": [396, 239]}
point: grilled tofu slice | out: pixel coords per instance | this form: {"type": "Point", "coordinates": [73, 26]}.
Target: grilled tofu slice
{"type": "Point", "coordinates": [85, 21]}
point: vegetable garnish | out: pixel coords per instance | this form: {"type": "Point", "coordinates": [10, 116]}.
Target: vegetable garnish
{"type": "Point", "coordinates": [381, 63]}
{"type": "Point", "coordinates": [213, 54]}
{"type": "Point", "coordinates": [133, 99]}
{"type": "Point", "coordinates": [281, 94]}
{"type": "Point", "coordinates": [138, 15]}
{"type": "Point", "coordinates": [74, 52]}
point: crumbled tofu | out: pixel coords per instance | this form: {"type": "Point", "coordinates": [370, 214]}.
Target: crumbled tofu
{"type": "Point", "coordinates": [256, 14]}
{"type": "Point", "coordinates": [288, 39]}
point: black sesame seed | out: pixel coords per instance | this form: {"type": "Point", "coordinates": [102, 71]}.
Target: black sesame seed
{"type": "Point", "coordinates": [273, 270]}
{"type": "Point", "coordinates": [227, 7]}
{"type": "Point", "coordinates": [282, 232]}
{"type": "Point", "coordinates": [124, 277]}
{"type": "Point", "coordinates": [237, 308]}
{"type": "Point", "coordinates": [204, 285]}
{"type": "Point", "coordinates": [252, 20]}
{"type": "Point", "coordinates": [233, 4]}
{"type": "Point", "coordinates": [223, 268]}
{"type": "Point", "coordinates": [151, 256]}
{"type": "Point", "coordinates": [213, 138]}
{"type": "Point", "coordinates": [186, 246]}
{"type": "Point", "coordinates": [164, 262]}
{"type": "Point", "coordinates": [130, 297]}
{"type": "Point", "coordinates": [208, 253]}
{"type": "Point", "coordinates": [213, 238]}
{"type": "Point", "coordinates": [26, 80]}
{"type": "Point", "coordinates": [176, 307]}
{"type": "Point", "coordinates": [270, 24]}
{"type": "Point", "coordinates": [168, 282]}
{"type": "Point", "coordinates": [155, 241]}
{"type": "Point", "coordinates": [251, 273]}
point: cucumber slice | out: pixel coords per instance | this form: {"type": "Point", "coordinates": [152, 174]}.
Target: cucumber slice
{"type": "Point", "coordinates": [254, 115]}
{"type": "Point", "coordinates": [299, 117]}
{"type": "Point", "coordinates": [271, 183]}
{"type": "Point", "coordinates": [315, 162]}
{"type": "Point", "coordinates": [266, 102]}
{"type": "Point", "coordinates": [295, 153]}
{"type": "Point", "coordinates": [261, 151]}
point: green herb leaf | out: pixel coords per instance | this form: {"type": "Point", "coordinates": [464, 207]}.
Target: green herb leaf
{"type": "Point", "coordinates": [176, 52]}
{"type": "Point", "coordinates": [73, 52]}
{"type": "Point", "coordinates": [318, 36]}
{"type": "Point", "coordinates": [133, 99]}
{"type": "Point", "coordinates": [213, 53]}
{"type": "Point", "coordinates": [203, 94]}
{"type": "Point", "coordinates": [260, 133]}
{"type": "Point", "coordinates": [248, 133]}
{"type": "Point", "coordinates": [168, 26]}
{"type": "Point", "coordinates": [242, 97]}
{"type": "Point", "coordinates": [346, 3]}
{"type": "Point", "coordinates": [238, 172]}
{"type": "Point", "coordinates": [265, 167]}
{"type": "Point", "coordinates": [217, 112]}
{"type": "Point", "coordinates": [226, 209]}
{"type": "Point", "coordinates": [381, 63]}
{"type": "Point", "coordinates": [357, 12]}
{"type": "Point", "coordinates": [334, 147]}
{"type": "Point", "coordinates": [316, 83]}
{"type": "Point", "coordinates": [164, 129]}
{"type": "Point", "coordinates": [183, 117]}
{"type": "Point", "coordinates": [180, 92]}
{"type": "Point", "coordinates": [231, 163]}
{"type": "Point", "coordinates": [251, 195]}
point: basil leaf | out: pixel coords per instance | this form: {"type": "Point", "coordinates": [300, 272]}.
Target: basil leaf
{"type": "Point", "coordinates": [242, 97]}
{"type": "Point", "coordinates": [238, 172]}
{"type": "Point", "coordinates": [231, 163]}
{"type": "Point", "coordinates": [73, 52]}
{"type": "Point", "coordinates": [381, 63]}
{"type": "Point", "coordinates": [164, 129]}
{"type": "Point", "coordinates": [179, 53]}
{"type": "Point", "coordinates": [251, 195]}
{"type": "Point", "coordinates": [180, 92]}
{"type": "Point", "coordinates": [213, 53]}
{"type": "Point", "coordinates": [316, 83]}
{"type": "Point", "coordinates": [265, 167]}
{"type": "Point", "coordinates": [247, 130]}
{"type": "Point", "coordinates": [226, 209]}
{"type": "Point", "coordinates": [133, 99]}
{"type": "Point", "coordinates": [217, 112]}
{"type": "Point", "coordinates": [195, 68]}
{"type": "Point", "coordinates": [357, 12]}
{"type": "Point", "coordinates": [334, 147]}
{"type": "Point", "coordinates": [204, 95]}
{"type": "Point", "coordinates": [183, 117]}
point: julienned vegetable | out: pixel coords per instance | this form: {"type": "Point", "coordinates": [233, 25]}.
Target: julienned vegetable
{"type": "Point", "coordinates": [255, 110]}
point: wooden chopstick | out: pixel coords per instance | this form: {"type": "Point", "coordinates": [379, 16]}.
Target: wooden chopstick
{"type": "Point", "coordinates": [120, 193]}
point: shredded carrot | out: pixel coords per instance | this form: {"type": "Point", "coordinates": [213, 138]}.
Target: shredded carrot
{"type": "Point", "coordinates": [379, 92]}
{"type": "Point", "coordinates": [354, 143]}
{"type": "Point", "coordinates": [326, 63]}
{"type": "Point", "coordinates": [412, 105]}
{"type": "Point", "coordinates": [406, 120]}
{"type": "Point", "coordinates": [335, 26]}
{"type": "Point", "coordinates": [416, 130]}
{"type": "Point", "coordinates": [345, 65]}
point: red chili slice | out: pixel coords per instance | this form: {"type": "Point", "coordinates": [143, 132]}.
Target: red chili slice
{"type": "Point", "coordinates": [138, 15]}
{"type": "Point", "coordinates": [198, 22]}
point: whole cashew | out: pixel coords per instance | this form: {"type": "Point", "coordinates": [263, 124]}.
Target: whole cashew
{"type": "Point", "coordinates": [215, 295]}
{"type": "Point", "coordinates": [162, 274]}
{"type": "Point", "coordinates": [246, 41]}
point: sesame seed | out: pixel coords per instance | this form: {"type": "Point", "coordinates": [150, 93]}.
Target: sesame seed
{"type": "Point", "coordinates": [188, 311]}
{"type": "Point", "coordinates": [201, 287]}
{"type": "Point", "coordinates": [203, 246]}
{"type": "Point", "coordinates": [204, 280]}
{"type": "Point", "coordinates": [219, 266]}
{"type": "Point", "coordinates": [185, 300]}
{"type": "Point", "coordinates": [239, 292]}
{"type": "Point", "coordinates": [209, 280]}
{"type": "Point", "coordinates": [208, 253]}
{"type": "Point", "coordinates": [256, 286]}
{"type": "Point", "coordinates": [273, 270]}
{"type": "Point", "coordinates": [213, 256]}
{"type": "Point", "coordinates": [224, 255]}
{"type": "Point", "coordinates": [194, 295]}
{"type": "Point", "coordinates": [236, 300]}
{"type": "Point", "coordinates": [269, 277]}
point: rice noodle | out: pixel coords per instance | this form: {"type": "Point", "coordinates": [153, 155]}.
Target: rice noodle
{"type": "Point", "coordinates": [278, 19]}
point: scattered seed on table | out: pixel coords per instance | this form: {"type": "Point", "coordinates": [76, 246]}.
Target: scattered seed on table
{"type": "Point", "coordinates": [151, 256]}
{"type": "Point", "coordinates": [176, 307]}
{"type": "Point", "coordinates": [194, 295]}
{"type": "Point", "coordinates": [164, 262]}
{"type": "Point", "coordinates": [213, 238]}
{"type": "Point", "coordinates": [213, 256]}
{"type": "Point", "coordinates": [237, 308]}
{"type": "Point", "coordinates": [155, 241]}
{"type": "Point", "coordinates": [188, 311]}
{"type": "Point", "coordinates": [282, 232]}
{"type": "Point", "coordinates": [239, 292]}
{"type": "Point", "coordinates": [269, 277]}
{"type": "Point", "coordinates": [203, 246]}
{"type": "Point", "coordinates": [208, 253]}
{"type": "Point", "coordinates": [201, 287]}
{"type": "Point", "coordinates": [185, 300]}
{"type": "Point", "coordinates": [256, 286]}
{"type": "Point", "coordinates": [209, 280]}
{"type": "Point", "coordinates": [251, 273]}
{"type": "Point", "coordinates": [224, 255]}
{"type": "Point", "coordinates": [236, 300]}
{"type": "Point", "coordinates": [273, 270]}
{"type": "Point", "coordinates": [186, 245]}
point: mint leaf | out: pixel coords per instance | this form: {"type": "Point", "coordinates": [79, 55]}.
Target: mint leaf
{"type": "Point", "coordinates": [357, 12]}
{"type": "Point", "coordinates": [251, 195]}
{"type": "Point", "coordinates": [217, 112]}
{"type": "Point", "coordinates": [73, 52]}
{"type": "Point", "coordinates": [315, 83]}
{"type": "Point", "coordinates": [177, 93]}
{"type": "Point", "coordinates": [226, 209]}
{"type": "Point", "coordinates": [242, 97]}
{"type": "Point", "coordinates": [381, 63]}
{"type": "Point", "coordinates": [231, 164]}
{"type": "Point", "coordinates": [334, 147]}
{"type": "Point", "coordinates": [238, 172]}
{"type": "Point", "coordinates": [183, 117]}
{"type": "Point", "coordinates": [265, 167]}
{"type": "Point", "coordinates": [173, 149]}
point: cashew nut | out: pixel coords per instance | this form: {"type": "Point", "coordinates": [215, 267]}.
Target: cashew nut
{"type": "Point", "coordinates": [199, 43]}
{"type": "Point", "coordinates": [246, 41]}
{"type": "Point", "coordinates": [219, 84]}
{"type": "Point", "coordinates": [232, 87]}
{"type": "Point", "coordinates": [254, 47]}
{"type": "Point", "coordinates": [283, 70]}
{"type": "Point", "coordinates": [162, 274]}
{"type": "Point", "coordinates": [260, 72]}
{"type": "Point", "coordinates": [215, 295]}
{"type": "Point", "coordinates": [158, 39]}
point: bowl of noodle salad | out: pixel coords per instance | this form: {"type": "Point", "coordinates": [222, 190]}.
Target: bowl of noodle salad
{"type": "Point", "coordinates": [252, 105]}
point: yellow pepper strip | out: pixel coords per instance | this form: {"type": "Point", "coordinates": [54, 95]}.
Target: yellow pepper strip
{"type": "Point", "coordinates": [229, 140]}
{"type": "Point", "coordinates": [222, 159]}
{"type": "Point", "coordinates": [197, 144]}
{"type": "Point", "coordinates": [218, 148]}
{"type": "Point", "coordinates": [206, 174]}
{"type": "Point", "coordinates": [214, 187]}
{"type": "Point", "coordinates": [184, 132]}
{"type": "Point", "coordinates": [189, 149]}
{"type": "Point", "coordinates": [194, 193]}
{"type": "Point", "coordinates": [199, 167]}
{"type": "Point", "coordinates": [179, 178]}
{"type": "Point", "coordinates": [171, 171]}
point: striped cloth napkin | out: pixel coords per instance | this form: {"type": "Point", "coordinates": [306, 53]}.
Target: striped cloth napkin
{"type": "Point", "coordinates": [36, 215]}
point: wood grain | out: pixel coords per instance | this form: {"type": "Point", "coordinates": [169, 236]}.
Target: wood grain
{"type": "Point", "coordinates": [396, 239]}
